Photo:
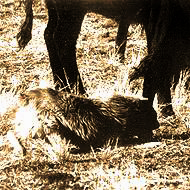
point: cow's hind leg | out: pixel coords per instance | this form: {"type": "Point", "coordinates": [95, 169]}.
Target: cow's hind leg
{"type": "Point", "coordinates": [164, 98]}
{"type": "Point", "coordinates": [56, 66]}
{"type": "Point", "coordinates": [121, 39]}
{"type": "Point", "coordinates": [66, 35]}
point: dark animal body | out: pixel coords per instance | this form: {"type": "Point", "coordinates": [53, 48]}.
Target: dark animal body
{"type": "Point", "coordinates": [64, 25]}
{"type": "Point", "coordinates": [169, 26]}
{"type": "Point", "coordinates": [91, 122]}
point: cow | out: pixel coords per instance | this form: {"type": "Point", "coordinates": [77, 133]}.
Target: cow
{"type": "Point", "coordinates": [169, 52]}
{"type": "Point", "coordinates": [64, 25]}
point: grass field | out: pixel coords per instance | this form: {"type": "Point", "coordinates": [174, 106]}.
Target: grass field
{"type": "Point", "coordinates": [156, 165]}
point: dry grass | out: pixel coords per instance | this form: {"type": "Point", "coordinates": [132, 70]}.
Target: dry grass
{"type": "Point", "coordinates": [158, 165]}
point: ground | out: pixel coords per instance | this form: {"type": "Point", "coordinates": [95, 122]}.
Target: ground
{"type": "Point", "coordinates": [158, 165]}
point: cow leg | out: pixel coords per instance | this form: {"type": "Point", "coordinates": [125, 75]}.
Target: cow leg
{"type": "Point", "coordinates": [164, 98]}
{"type": "Point", "coordinates": [154, 82]}
{"type": "Point", "coordinates": [148, 89]}
{"type": "Point", "coordinates": [121, 39]}
{"type": "Point", "coordinates": [57, 68]}
{"type": "Point", "coordinates": [66, 35]}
